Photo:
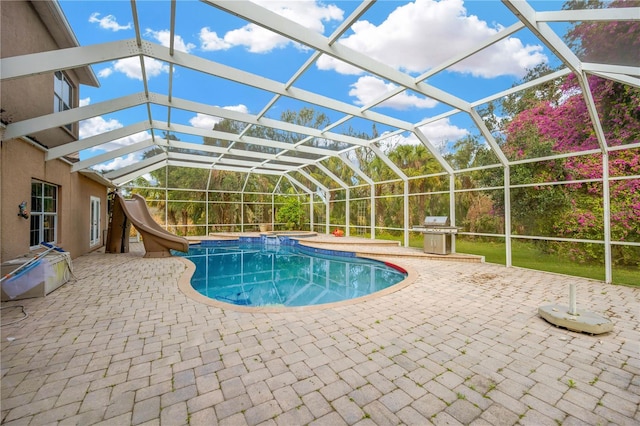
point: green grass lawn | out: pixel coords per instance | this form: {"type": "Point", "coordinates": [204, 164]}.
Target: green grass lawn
{"type": "Point", "coordinates": [526, 255]}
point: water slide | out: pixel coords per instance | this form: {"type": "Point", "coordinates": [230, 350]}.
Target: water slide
{"type": "Point", "coordinates": [157, 241]}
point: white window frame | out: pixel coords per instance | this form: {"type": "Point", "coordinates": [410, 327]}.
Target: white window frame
{"type": "Point", "coordinates": [94, 221]}
{"type": "Point", "coordinates": [63, 92]}
{"type": "Point", "coordinates": [39, 215]}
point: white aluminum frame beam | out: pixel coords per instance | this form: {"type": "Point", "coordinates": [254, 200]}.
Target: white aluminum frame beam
{"type": "Point", "coordinates": [228, 114]}
{"type": "Point", "coordinates": [178, 163]}
{"type": "Point", "coordinates": [77, 114]}
{"type": "Point", "coordinates": [59, 119]}
{"type": "Point", "coordinates": [342, 28]}
{"type": "Point", "coordinates": [122, 132]}
{"type": "Point", "coordinates": [107, 156]}
{"type": "Point", "coordinates": [581, 15]}
{"type": "Point", "coordinates": [388, 162]}
{"type": "Point", "coordinates": [215, 134]}
{"type": "Point", "coordinates": [479, 122]}
{"type": "Point", "coordinates": [97, 140]}
{"type": "Point", "coordinates": [213, 162]}
{"type": "Point", "coordinates": [296, 32]}
{"type": "Point", "coordinates": [297, 183]}
{"type": "Point", "coordinates": [624, 79]}
{"type": "Point", "coordinates": [356, 169]}
{"type": "Point", "coordinates": [617, 69]}
{"type": "Point", "coordinates": [333, 177]}
{"type": "Point", "coordinates": [137, 173]}
{"type": "Point", "coordinates": [313, 180]}
{"type": "Point", "coordinates": [506, 32]}
{"type": "Point", "coordinates": [527, 15]}
{"type": "Point", "coordinates": [64, 59]}
{"type": "Point", "coordinates": [436, 154]}
{"type": "Point", "coordinates": [161, 53]}
{"type": "Point", "coordinates": [136, 166]}
{"type": "Point", "coordinates": [532, 83]}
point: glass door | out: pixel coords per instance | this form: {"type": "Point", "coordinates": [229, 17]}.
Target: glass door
{"type": "Point", "coordinates": [94, 227]}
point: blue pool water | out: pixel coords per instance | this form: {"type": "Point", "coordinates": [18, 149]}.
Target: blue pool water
{"type": "Point", "coordinates": [282, 275]}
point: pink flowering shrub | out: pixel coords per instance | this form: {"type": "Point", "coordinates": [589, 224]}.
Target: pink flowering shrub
{"type": "Point", "coordinates": [548, 128]}
{"type": "Point", "coordinates": [554, 118]}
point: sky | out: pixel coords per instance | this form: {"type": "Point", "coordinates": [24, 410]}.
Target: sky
{"type": "Point", "coordinates": [410, 36]}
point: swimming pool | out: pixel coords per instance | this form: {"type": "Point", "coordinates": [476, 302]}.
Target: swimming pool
{"type": "Point", "coordinates": [259, 275]}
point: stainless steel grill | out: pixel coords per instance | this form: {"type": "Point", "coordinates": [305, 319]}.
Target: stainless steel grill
{"type": "Point", "coordinates": [437, 234]}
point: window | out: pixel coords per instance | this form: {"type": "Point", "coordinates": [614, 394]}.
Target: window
{"type": "Point", "coordinates": [44, 213]}
{"type": "Point", "coordinates": [63, 95]}
{"type": "Point", "coordinates": [94, 226]}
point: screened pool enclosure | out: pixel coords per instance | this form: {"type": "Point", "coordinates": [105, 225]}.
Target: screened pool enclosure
{"type": "Point", "coordinates": [520, 121]}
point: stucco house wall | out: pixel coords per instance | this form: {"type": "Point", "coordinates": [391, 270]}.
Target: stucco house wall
{"type": "Point", "coordinates": [31, 27]}
{"type": "Point", "coordinates": [21, 163]}
{"type": "Point", "coordinates": [24, 32]}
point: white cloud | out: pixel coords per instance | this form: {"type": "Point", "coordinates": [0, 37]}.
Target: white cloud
{"type": "Point", "coordinates": [98, 125]}
{"type": "Point", "coordinates": [388, 141]}
{"type": "Point", "coordinates": [506, 57]}
{"type": "Point", "coordinates": [84, 102]}
{"type": "Point", "coordinates": [209, 40]}
{"type": "Point", "coordinates": [256, 39]}
{"type": "Point", "coordinates": [105, 72]}
{"type": "Point", "coordinates": [239, 108]}
{"type": "Point", "coordinates": [204, 121]}
{"type": "Point", "coordinates": [131, 68]}
{"type": "Point", "coordinates": [420, 35]}
{"type": "Point", "coordinates": [442, 131]}
{"type": "Point", "coordinates": [410, 139]}
{"type": "Point", "coordinates": [164, 38]}
{"type": "Point", "coordinates": [326, 62]}
{"type": "Point", "coordinates": [119, 162]}
{"type": "Point", "coordinates": [108, 22]}
{"type": "Point", "coordinates": [126, 141]}
{"type": "Point", "coordinates": [368, 89]}
{"type": "Point", "coordinates": [438, 133]}
{"type": "Point", "coordinates": [309, 13]}
{"type": "Point", "coordinates": [153, 67]}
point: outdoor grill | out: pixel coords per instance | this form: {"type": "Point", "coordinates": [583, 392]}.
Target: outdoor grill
{"type": "Point", "coordinates": [437, 234]}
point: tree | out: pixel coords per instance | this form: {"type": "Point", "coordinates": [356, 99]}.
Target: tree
{"type": "Point", "coordinates": [606, 42]}
{"type": "Point", "coordinates": [228, 184]}
{"type": "Point", "coordinates": [182, 207]}
{"type": "Point", "coordinates": [477, 211]}
{"type": "Point", "coordinates": [290, 212]}
{"type": "Point", "coordinates": [545, 122]}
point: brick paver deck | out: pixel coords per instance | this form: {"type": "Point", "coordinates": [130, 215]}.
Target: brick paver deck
{"type": "Point", "coordinates": [121, 345]}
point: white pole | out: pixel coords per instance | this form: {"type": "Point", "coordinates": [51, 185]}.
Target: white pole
{"type": "Point", "coordinates": [507, 215]}
{"type": "Point", "coordinates": [405, 205]}
{"type": "Point", "coordinates": [327, 196]}
{"type": "Point", "coordinates": [311, 219]}
{"type": "Point", "coordinates": [606, 205]}
{"type": "Point", "coordinates": [572, 299]}
{"type": "Point", "coordinates": [452, 208]}
{"type": "Point", "coordinates": [372, 213]}
{"type": "Point", "coordinates": [347, 212]}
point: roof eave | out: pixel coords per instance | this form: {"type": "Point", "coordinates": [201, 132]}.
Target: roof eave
{"type": "Point", "coordinates": [97, 177]}
{"type": "Point", "coordinates": [57, 24]}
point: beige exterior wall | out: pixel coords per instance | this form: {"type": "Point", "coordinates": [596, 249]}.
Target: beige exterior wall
{"type": "Point", "coordinates": [23, 33]}
{"type": "Point", "coordinates": [29, 27]}
{"type": "Point", "coordinates": [20, 162]}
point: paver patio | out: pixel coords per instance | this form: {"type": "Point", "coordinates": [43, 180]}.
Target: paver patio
{"type": "Point", "coordinates": [121, 344]}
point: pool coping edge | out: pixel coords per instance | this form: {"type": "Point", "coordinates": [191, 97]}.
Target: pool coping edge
{"type": "Point", "coordinates": [184, 285]}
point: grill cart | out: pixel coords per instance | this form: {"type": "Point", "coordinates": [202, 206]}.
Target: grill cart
{"type": "Point", "coordinates": [437, 234]}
